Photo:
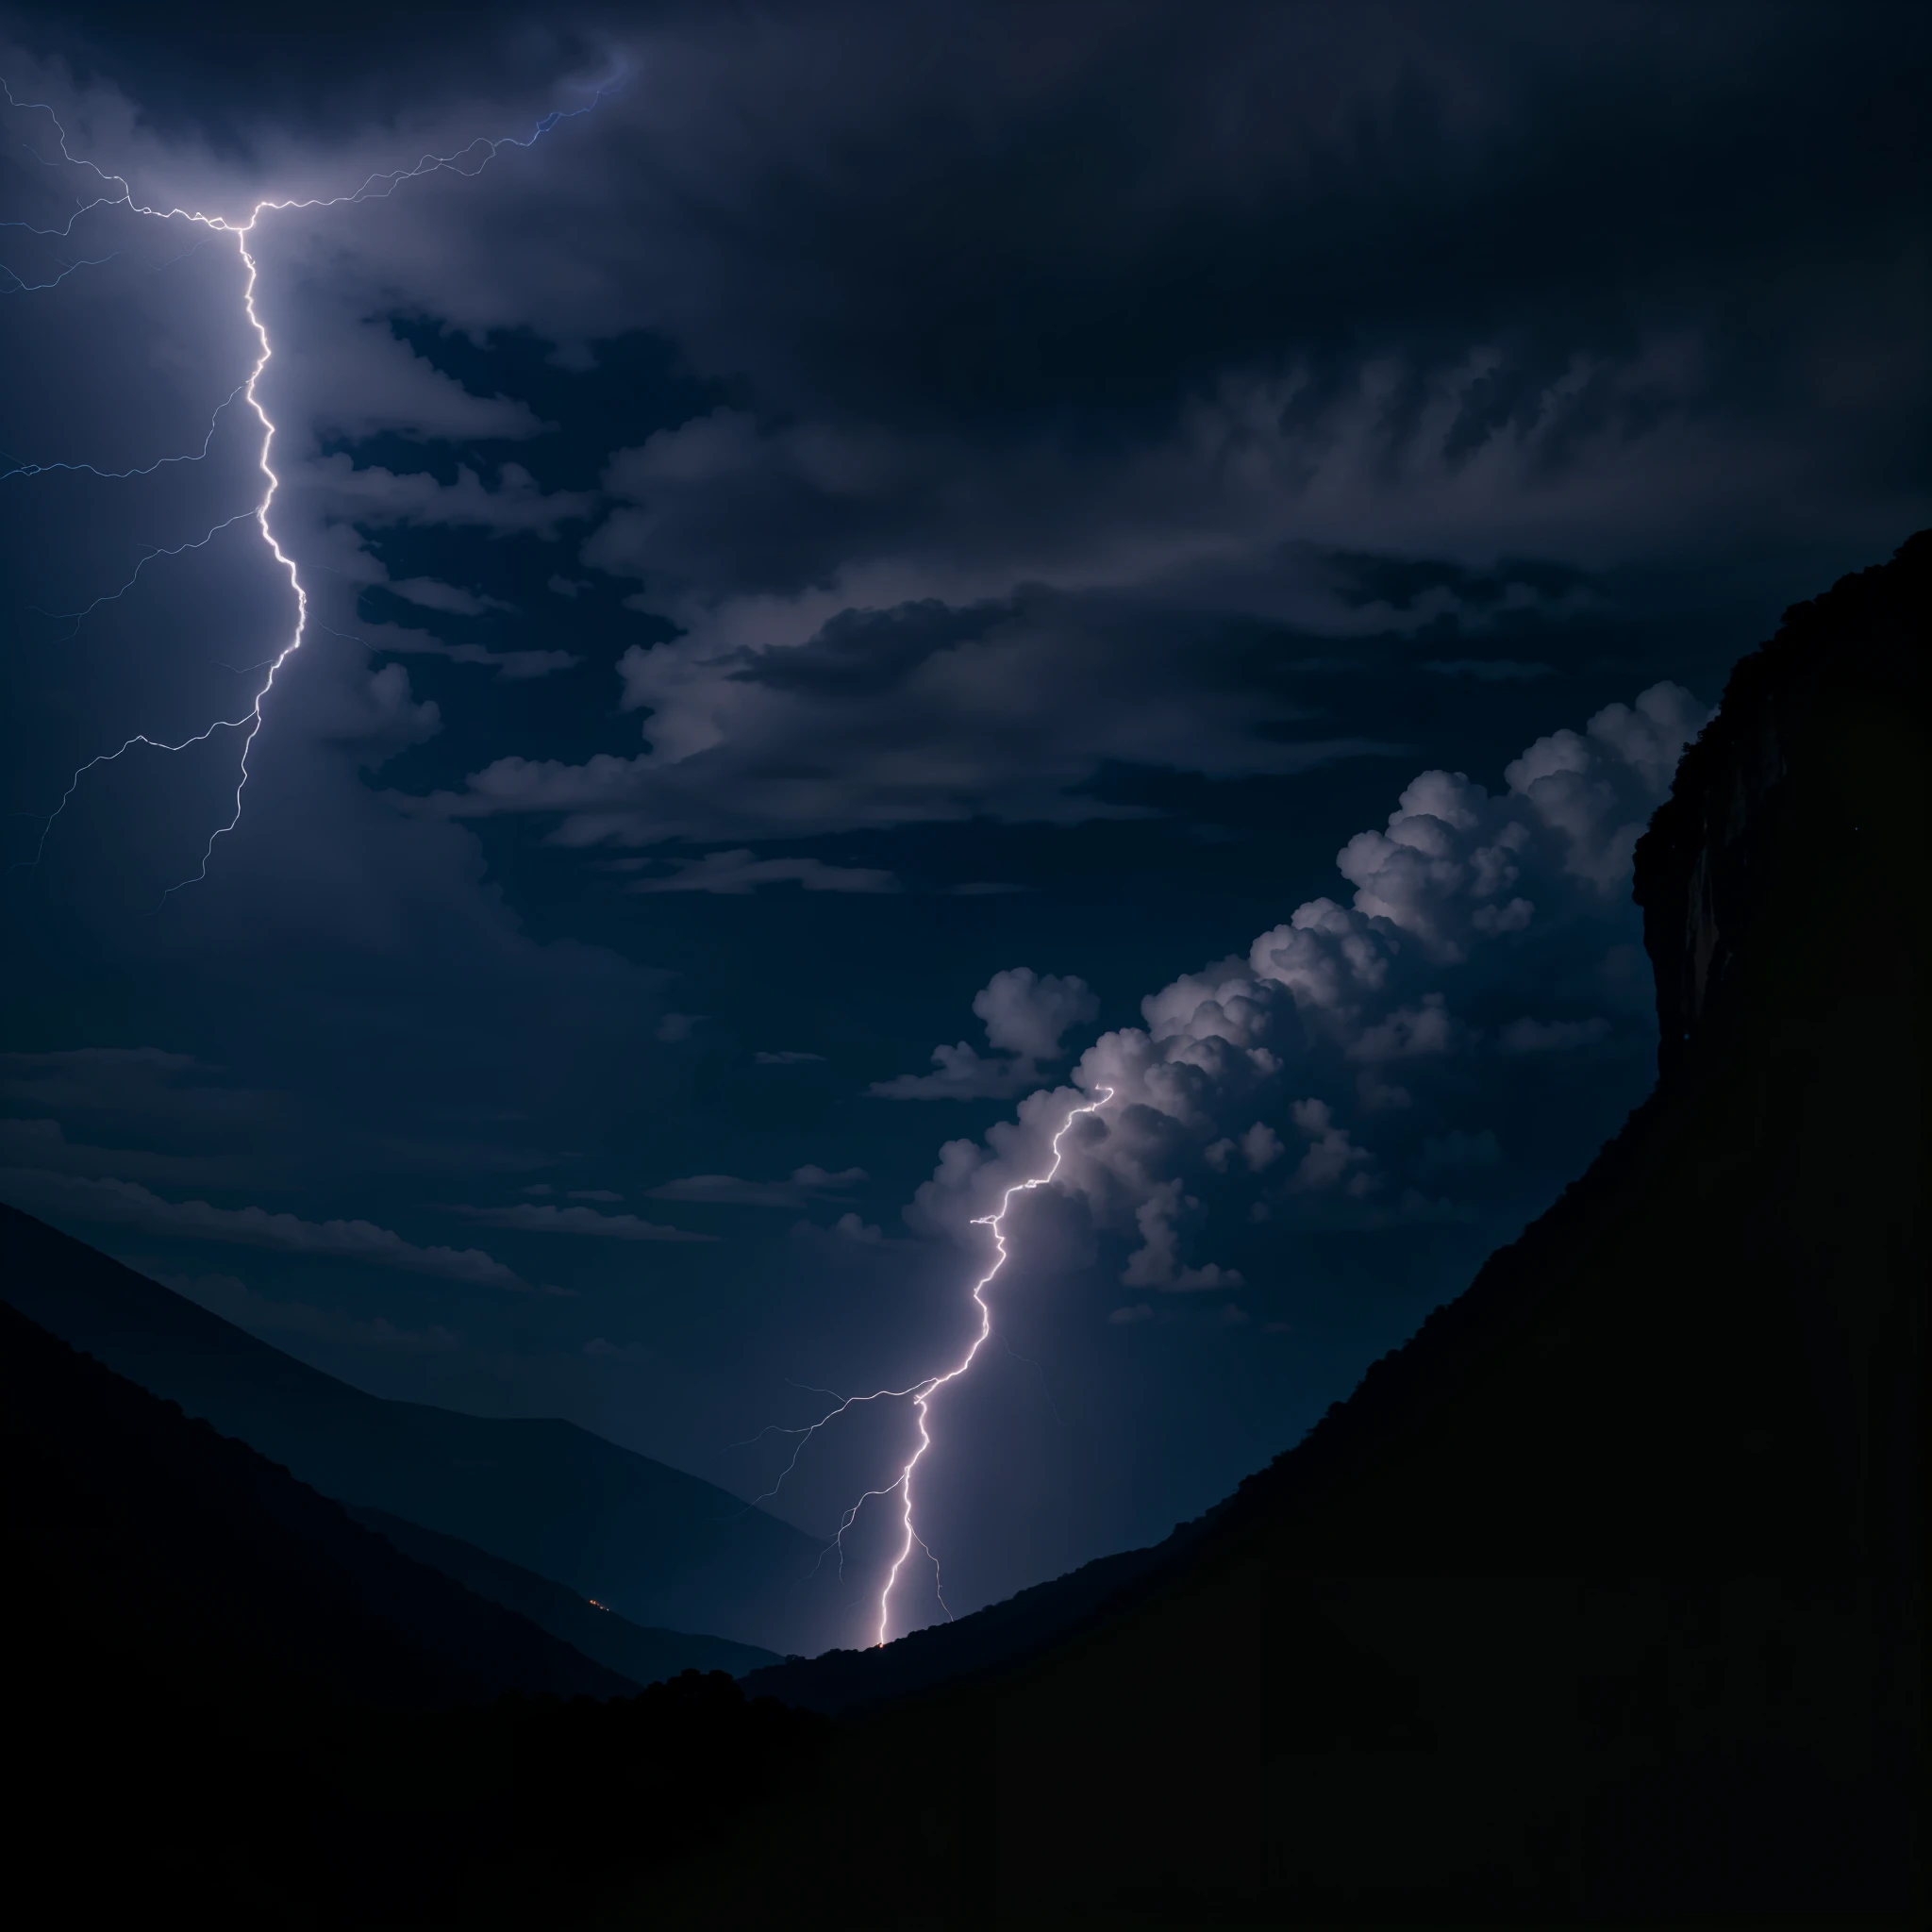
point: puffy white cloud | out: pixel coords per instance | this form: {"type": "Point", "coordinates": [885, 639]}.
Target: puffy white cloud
{"type": "Point", "coordinates": [1269, 1081]}
{"type": "Point", "coordinates": [1026, 1015]}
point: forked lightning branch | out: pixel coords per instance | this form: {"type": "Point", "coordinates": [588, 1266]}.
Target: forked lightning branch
{"type": "Point", "coordinates": [920, 1394]}
{"type": "Point", "coordinates": [249, 722]}
{"type": "Point", "coordinates": [467, 161]}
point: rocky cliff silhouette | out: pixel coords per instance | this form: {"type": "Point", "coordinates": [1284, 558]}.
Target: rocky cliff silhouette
{"type": "Point", "coordinates": [1602, 1599]}
{"type": "Point", "coordinates": [1600, 1602]}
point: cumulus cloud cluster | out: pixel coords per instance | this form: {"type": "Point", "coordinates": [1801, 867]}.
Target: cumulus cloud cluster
{"type": "Point", "coordinates": [1328, 1074]}
{"type": "Point", "coordinates": [1026, 1015]}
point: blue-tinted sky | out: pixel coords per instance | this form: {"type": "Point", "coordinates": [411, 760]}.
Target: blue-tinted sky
{"type": "Point", "coordinates": [1145, 548]}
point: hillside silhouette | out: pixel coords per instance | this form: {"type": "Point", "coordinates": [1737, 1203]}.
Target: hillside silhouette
{"type": "Point", "coordinates": [1602, 1599]}
{"type": "Point", "coordinates": [230, 1703]}
{"type": "Point", "coordinates": [664, 1549]}
{"type": "Point", "coordinates": [843, 1682]}
{"type": "Point", "coordinates": [1599, 1602]}
{"type": "Point", "coordinates": [644, 1656]}
{"type": "Point", "coordinates": [142, 1540]}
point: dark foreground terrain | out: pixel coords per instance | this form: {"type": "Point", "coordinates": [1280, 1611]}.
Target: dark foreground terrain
{"type": "Point", "coordinates": [664, 1549]}
{"type": "Point", "coordinates": [1600, 1602]}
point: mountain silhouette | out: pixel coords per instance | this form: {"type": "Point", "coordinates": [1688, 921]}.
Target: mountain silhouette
{"type": "Point", "coordinates": [662, 1548]}
{"type": "Point", "coordinates": [644, 1656]}
{"type": "Point", "coordinates": [230, 1703]}
{"type": "Point", "coordinates": [139, 1540]}
{"type": "Point", "coordinates": [1600, 1600]}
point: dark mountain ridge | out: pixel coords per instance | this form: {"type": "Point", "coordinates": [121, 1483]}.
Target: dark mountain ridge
{"type": "Point", "coordinates": [1600, 1602]}
{"type": "Point", "coordinates": [644, 1656]}
{"type": "Point", "coordinates": [229, 1704]}
{"type": "Point", "coordinates": [843, 1681]}
{"type": "Point", "coordinates": [141, 1542]}
{"type": "Point", "coordinates": [665, 1549]}
{"type": "Point", "coordinates": [1602, 1597]}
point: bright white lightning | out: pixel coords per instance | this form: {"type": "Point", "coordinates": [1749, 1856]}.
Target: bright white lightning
{"type": "Point", "coordinates": [377, 187]}
{"type": "Point", "coordinates": [921, 1393]}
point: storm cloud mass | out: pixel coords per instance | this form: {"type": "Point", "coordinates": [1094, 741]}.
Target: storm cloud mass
{"type": "Point", "coordinates": [838, 577]}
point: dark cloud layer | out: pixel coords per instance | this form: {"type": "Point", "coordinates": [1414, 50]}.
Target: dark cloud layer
{"type": "Point", "coordinates": [883, 522]}
{"type": "Point", "coordinates": [228, 73]}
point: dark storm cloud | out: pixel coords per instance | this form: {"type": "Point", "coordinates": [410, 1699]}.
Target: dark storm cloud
{"type": "Point", "coordinates": [229, 73]}
{"type": "Point", "coordinates": [878, 454]}
{"type": "Point", "coordinates": [530, 1217]}
{"type": "Point", "coordinates": [1394, 298]}
{"type": "Point", "coordinates": [966, 206]}
{"type": "Point", "coordinates": [1015, 717]}
{"type": "Point", "coordinates": [808, 1184]}
{"type": "Point", "coordinates": [1399, 582]}
{"type": "Point", "coordinates": [861, 652]}
{"type": "Point", "coordinates": [1392, 293]}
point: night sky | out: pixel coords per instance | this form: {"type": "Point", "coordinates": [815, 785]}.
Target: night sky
{"type": "Point", "coordinates": [902, 567]}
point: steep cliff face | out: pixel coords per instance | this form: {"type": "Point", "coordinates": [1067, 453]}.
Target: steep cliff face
{"type": "Point", "coordinates": [1602, 1598]}
{"type": "Point", "coordinates": [1817, 712]}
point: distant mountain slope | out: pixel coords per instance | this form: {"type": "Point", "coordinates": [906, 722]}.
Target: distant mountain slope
{"type": "Point", "coordinates": [646, 1656]}
{"type": "Point", "coordinates": [663, 1548]}
{"type": "Point", "coordinates": [1003, 1634]}
{"type": "Point", "coordinates": [140, 1542]}
{"type": "Point", "coordinates": [230, 1705]}
{"type": "Point", "coordinates": [1736, 857]}
{"type": "Point", "coordinates": [1603, 1598]}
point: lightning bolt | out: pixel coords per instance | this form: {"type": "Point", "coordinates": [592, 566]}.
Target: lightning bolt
{"type": "Point", "coordinates": [469, 161]}
{"type": "Point", "coordinates": [921, 1393]}
{"type": "Point", "coordinates": [24, 469]}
